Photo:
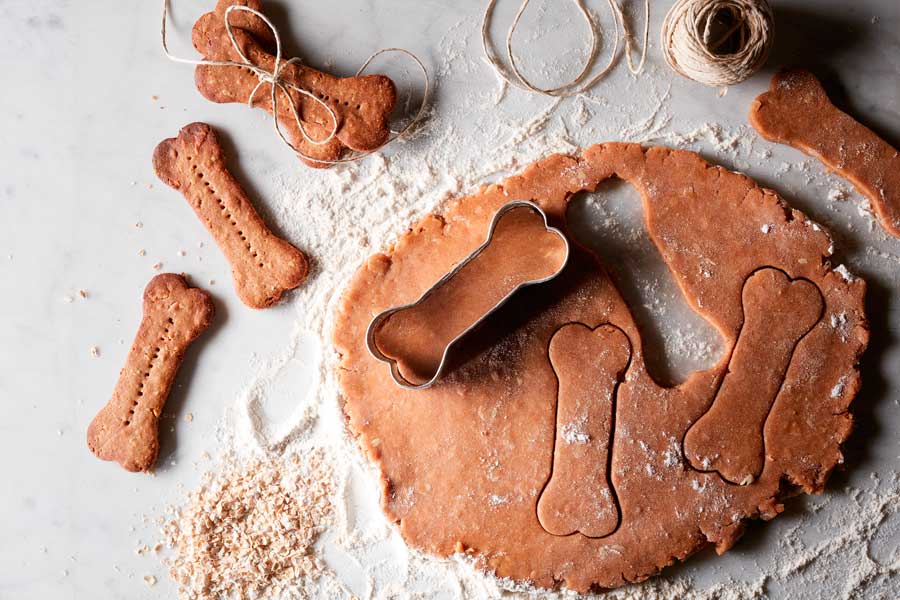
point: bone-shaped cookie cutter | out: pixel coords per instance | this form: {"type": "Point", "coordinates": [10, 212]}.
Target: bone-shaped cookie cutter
{"type": "Point", "coordinates": [381, 318]}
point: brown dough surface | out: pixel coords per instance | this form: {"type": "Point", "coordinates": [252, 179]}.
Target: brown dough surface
{"type": "Point", "coordinates": [796, 111]}
{"type": "Point", "coordinates": [363, 104]}
{"type": "Point", "coordinates": [463, 463]}
{"type": "Point", "coordinates": [125, 430]}
{"type": "Point", "coordinates": [521, 250]}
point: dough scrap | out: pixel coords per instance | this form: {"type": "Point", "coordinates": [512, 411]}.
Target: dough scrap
{"type": "Point", "coordinates": [464, 462]}
{"type": "Point", "coordinates": [796, 111]}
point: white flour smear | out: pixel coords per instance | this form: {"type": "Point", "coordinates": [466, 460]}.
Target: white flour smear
{"type": "Point", "coordinates": [476, 134]}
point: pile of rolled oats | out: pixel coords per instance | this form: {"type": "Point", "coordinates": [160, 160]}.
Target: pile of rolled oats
{"type": "Point", "coordinates": [248, 531]}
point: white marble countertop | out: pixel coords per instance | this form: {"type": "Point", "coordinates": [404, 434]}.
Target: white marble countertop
{"type": "Point", "coordinates": [87, 94]}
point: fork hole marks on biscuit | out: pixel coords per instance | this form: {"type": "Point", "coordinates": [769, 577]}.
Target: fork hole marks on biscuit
{"type": "Point", "coordinates": [676, 340]}
{"type": "Point", "coordinates": [333, 101]}
{"type": "Point", "coordinates": [145, 374]}
{"type": "Point", "coordinates": [198, 175]}
{"type": "Point", "coordinates": [279, 406]}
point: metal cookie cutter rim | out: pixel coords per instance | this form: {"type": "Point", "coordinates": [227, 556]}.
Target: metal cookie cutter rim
{"type": "Point", "coordinates": [382, 316]}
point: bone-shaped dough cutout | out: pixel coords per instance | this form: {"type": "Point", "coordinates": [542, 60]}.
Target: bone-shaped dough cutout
{"type": "Point", "coordinates": [796, 111]}
{"type": "Point", "coordinates": [589, 364]}
{"type": "Point", "coordinates": [521, 250]}
{"type": "Point", "coordinates": [728, 438]}
{"type": "Point", "coordinates": [263, 265]}
{"type": "Point", "coordinates": [125, 430]}
{"type": "Point", "coordinates": [363, 104]}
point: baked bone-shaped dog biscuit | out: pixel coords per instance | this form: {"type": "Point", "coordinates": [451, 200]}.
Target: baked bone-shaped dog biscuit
{"type": "Point", "coordinates": [125, 430]}
{"type": "Point", "coordinates": [589, 364]}
{"type": "Point", "coordinates": [363, 104]}
{"type": "Point", "coordinates": [728, 438]}
{"type": "Point", "coordinates": [521, 250]}
{"type": "Point", "coordinates": [796, 111]}
{"type": "Point", "coordinates": [263, 265]}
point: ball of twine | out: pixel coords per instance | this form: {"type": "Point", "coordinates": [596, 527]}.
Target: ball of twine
{"type": "Point", "coordinates": [718, 42]}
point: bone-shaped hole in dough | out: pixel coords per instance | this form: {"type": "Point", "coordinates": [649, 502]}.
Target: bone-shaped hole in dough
{"type": "Point", "coordinates": [579, 496]}
{"type": "Point", "coordinates": [521, 250]}
{"type": "Point", "coordinates": [676, 341]}
{"type": "Point", "coordinates": [778, 312]}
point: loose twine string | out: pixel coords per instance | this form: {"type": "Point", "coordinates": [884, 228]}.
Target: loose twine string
{"type": "Point", "coordinates": [577, 85]}
{"type": "Point", "coordinates": [690, 49]}
{"type": "Point", "coordinates": [277, 83]}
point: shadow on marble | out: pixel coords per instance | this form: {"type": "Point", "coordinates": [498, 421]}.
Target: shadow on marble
{"type": "Point", "coordinates": [875, 390]}
{"type": "Point", "coordinates": [823, 39]}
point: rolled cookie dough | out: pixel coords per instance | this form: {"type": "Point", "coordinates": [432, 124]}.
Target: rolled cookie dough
{"type": "Point", "coordinates": [463, 464]}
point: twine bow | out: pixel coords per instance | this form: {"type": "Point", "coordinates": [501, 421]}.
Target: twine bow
{"type": "Point", "coordinates": [278, 83]}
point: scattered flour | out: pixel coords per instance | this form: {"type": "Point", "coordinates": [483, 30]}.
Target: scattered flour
{"type": "Point", "coordinates": [843, 272]}
{"type": "Point", "coordinates": [838, 389]}
{"type": "Point", "coordinates": [838, 194]}
{"type": "Point", "coordinates": [572, 434]}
